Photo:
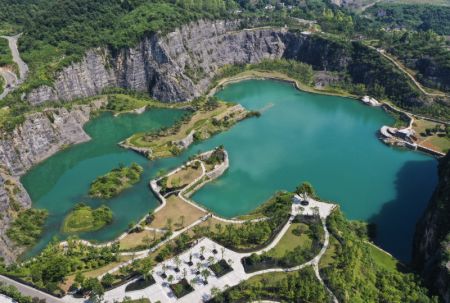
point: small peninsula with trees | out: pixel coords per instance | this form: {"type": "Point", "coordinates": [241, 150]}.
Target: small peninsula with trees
{"type": "Point", "coordinates": [116, 181]}
{"type": "Point", "coordinates": [85, 218]}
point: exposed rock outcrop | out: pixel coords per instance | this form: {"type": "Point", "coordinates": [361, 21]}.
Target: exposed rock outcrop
{"type": "Point", "coordinates": [12, 198]}
{"type": "Point", "coordinates": [40, 136]}
{"type": "Point", "coordinates": [181, 65]}
{"type": "Point", "coordinates": [431, 253]}
{"type": "Point", "coordinates": [173, 68]}
{"type": "Point", "coordinates": [43, 134]}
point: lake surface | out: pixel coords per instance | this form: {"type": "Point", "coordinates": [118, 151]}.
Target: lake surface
{"type": "Point", "coordinates": [328, 141]}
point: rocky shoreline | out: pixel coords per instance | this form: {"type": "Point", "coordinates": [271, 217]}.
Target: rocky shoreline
{"type": "Point", "coordinates": [39, 137]}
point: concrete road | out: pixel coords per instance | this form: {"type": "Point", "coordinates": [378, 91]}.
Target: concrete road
{"type": "Point", "coordinates": [30, 291]}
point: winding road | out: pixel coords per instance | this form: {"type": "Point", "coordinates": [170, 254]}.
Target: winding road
{"type": "Point", "coordinates": [11, 79]}
{"type": "Point", "coordinates": [30, 291]}
{"type": "Point", "coordinates": [406, 72]}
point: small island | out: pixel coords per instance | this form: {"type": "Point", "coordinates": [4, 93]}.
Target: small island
{"type": "Point", "coordinates": [85, 218]}
{"type": "Point", "coordinates": [116, 181]}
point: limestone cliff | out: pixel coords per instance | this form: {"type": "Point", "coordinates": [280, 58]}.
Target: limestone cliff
{"type": "Point", "coordinates": [431, 254]}
{"type": "Point", "coordinates": [41, 135]}
{"type": "Point", "coordinates": [175, 67]}
{"type": "Point", "coordinates": [13, 197]}
{"type": "Point", "coordinates": [181, 65]}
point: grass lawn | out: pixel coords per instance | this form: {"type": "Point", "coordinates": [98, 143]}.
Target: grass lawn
{"type": "Point", "coordinates": [93, 273]}
{"type": "Point", "coordinates": [84, 218]}
{"type": "Point", "coordinates": [434, 141]}
{"type": "Point", "coordinates": [144, 237]}
{"type": "Point", "coordinates": [383, 259]}
{"type": "Point", "coordinates": [328, 256]}
{"type": "Point", "coordinates": [290, 241]}
{"type": "Point", "coordinates": [198, 119]}
{"type": "Point", "coordinates": [269, 279]}
{"type": "Point", "coordinates": [178, 212]}
{"type": "Point", "coordinates": [184, 177]}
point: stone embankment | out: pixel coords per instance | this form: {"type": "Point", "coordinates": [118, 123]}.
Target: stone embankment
{"type": "Point", "coordinates": [405, 137]}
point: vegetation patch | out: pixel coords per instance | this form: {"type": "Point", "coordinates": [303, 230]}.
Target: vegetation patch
{"type": "Point", "coordinates": [116, 181]}
{"type": "Point", "coordinates": [301, 286]}
{"type": "Point", "coordinates": [301, 243]}
{"type": "Point", "coordinates": [355, 274]}
{"type": "Point", "coordinates": [51, 267]}
{"type": "Point", "coordinates": [181, 288]}
{"type": "Point", "coordinates": [27, 227]}
{"type": "Point", "coordinates": [432, 135]}
{"type": "Point", "coordinates": [176, 214]}
{"type": "Point", "coordinates": [220, 268]}
{"type": "Point", "coordinates": [139, 284]}
{"type": "Point", "coordinates": [6, 58]}
{"type": "Point", "coordinates": [13, 293]}
{"type": "Point", "coordinates": [250, 236]}
{"type": "Point", "coordinates": [184, 176]}
{"type": "Point", "coordinates": [211, 116]}
{"type": "Point", "coordinates": [2, 86]}
{"type": "Point", "coordinates": [83, 218]}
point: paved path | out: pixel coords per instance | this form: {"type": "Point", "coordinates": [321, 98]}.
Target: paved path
{"type": "Point", "coordinates": [23, 67]}
{"type": "Point", "coordinates": [406, 72]}
{"type": "Point", "coordinates": [11, 79]}
{"type": "Point", "coordinates": [160, 291]}
{"type": "Point", "coordinates": [30, 291]}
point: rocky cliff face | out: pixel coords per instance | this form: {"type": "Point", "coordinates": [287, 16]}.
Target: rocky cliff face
{"type": "Point", "coordinates": [12, 198]}
{"type": "Point", "coordinates": [432, 239]}
{"type": "Point", "coordinates": [176, 67]}
{"type": "Point", "coordinates": [41, 135]}
{"type": "Point", "coordinates": [181, 65]}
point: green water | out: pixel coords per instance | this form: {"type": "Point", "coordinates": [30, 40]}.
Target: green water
{"type": "Point", "coordinates": [328, 141]}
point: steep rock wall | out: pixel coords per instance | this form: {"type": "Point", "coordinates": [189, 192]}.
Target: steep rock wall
{"type": "Point", "coordinates": [173, 68]}
{"type": "Point", "coordinates": [43, 134]}
{"type": "Point", "coordinates": [12, 197]}
{"type": "Point", "coordinates": [431, 253]}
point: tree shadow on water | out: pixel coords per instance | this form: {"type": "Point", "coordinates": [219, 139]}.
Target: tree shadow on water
{"type": "Point", "coordinates": [395, 223]}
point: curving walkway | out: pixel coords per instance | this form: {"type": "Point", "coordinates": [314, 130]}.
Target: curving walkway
{"type": "Point", "coordinates": [11, 79]}
{"type": "Point", "coordinates": [23, 67]}
{"type": "Point", "coordinates": [406, 72]}
{"type": "Point", "coordinates": [160, 291]}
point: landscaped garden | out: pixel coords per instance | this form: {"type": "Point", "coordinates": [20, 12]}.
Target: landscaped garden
{"type": "Point", "coordinates": [176, 214]}
{"type": "Point", "coordinates": [250, 236]}
{"type": "Point", "coordinates": [140, 283]}
{"type": "Point", "coordinates": [302, 241]}
{"type": "Point", "coordinates": [220, 268]}
{"type": "Point", "coordinates": [84, 218]}
{"type": "Point", "coordinates": [211, 116]}
{"type": "Point", "coordinates": [114, 182]}
{"type": "Point", "coordinates": [181, 288]}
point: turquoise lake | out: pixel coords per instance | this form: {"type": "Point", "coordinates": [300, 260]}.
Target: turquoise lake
{"type": "Point", "coordinates": [328, 141]}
